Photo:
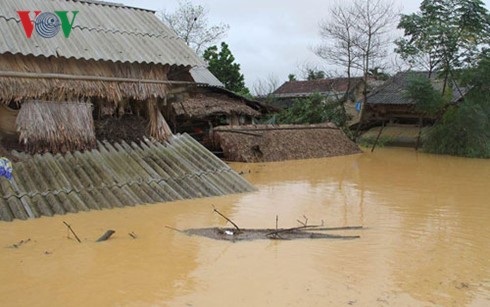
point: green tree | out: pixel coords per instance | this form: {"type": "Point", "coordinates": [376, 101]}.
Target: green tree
{"type": "Point", "coordinates": [292, 77]}
{"type": "Point", "coordinates": [222, 64]}
{"type": "Point", "coordinates": [378, 73]}
{"type": "Point", "coordinates": [313, 74]}
{"type": "Point", "coordinates": [464, 129]}
{"type": "Point", "coordinates": [445, 35]}
{"type": "Point", "coordinates": [427, 99]}
{"type": "Point", "coordinates": [312, 110]}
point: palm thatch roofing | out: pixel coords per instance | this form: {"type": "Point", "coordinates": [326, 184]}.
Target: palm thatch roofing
{"type": "Point", "coordinates": [266, 143]}
{"type": "Point", "coordinates": [59, 79]}
{"type": "Point", "coordinates": [56, 127]}
{"type": "Point", "coordinates": [202, 105]}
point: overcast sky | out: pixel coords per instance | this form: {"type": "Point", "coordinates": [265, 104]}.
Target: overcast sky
{"type": "Point", "coordinates": [269, 37]}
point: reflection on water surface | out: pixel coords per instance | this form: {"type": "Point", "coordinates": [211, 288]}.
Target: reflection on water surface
{"type": "Point", "coordinates": [426, 242]}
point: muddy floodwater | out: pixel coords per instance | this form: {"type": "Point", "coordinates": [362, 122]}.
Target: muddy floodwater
{"type": "Point", "coordinates": [425, 242]}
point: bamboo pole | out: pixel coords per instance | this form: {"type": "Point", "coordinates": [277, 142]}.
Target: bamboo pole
{"type": "Point", "coordinates": [377, 138]}
{"type": "Point", "coordinates": [15, 74]}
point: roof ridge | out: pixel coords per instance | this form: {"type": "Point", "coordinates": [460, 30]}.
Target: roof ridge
{"type": "Point", "coordinates": [159, 35]}
{"type": "Point", "coordinates": [110, 4]}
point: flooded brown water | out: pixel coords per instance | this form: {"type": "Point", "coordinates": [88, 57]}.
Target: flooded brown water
{"type": "Point", "coordinates": [426, 242]}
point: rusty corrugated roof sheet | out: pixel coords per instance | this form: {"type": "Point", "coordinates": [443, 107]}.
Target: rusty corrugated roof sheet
{"type": "Point", "coordinates": [101, 31]}
{"type": "Point", "coordinates": [116, 176]}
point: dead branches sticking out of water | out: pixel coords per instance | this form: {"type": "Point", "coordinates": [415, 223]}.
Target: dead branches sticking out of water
{"type": "Point", "coordinates": [20, 243]}
{"type": "Point", "coordinates": [223, 216]}
{"type": "Point", "coordinates": [304, 231]}
{"type": "Point", "coordinates": [106, 236]}
{"type": "Point", "coordinates": [132, 235]}
{"type": "Point", "coordinates": [73, 232]}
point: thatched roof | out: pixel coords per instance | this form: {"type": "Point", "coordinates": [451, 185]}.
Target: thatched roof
{"type": "Point", "coordinates": [51, 87]}
{"type": "Point", "coordinates": [264, 143]}
{"type": "Point", "coordinates": [57, 127]}
{"type": "Point", "coordinates": [202, 105]}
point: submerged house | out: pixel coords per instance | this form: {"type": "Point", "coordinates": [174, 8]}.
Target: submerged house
{"type": "Point", "coordinates": [394, 117]}
{"type": "Point", "coordinates": [390, 103]}
{"type": "Point", "coordinates": [66, 89]}
{"type": "Point", "coordinates": [332, 89]}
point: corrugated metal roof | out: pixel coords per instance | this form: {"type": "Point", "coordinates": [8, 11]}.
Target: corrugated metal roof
{"type": "Point", "coordinates": [201, 74]}
{"type": "Point", "coordinates": [116, 176]}
{"type": "Point", "coordinates": [100, 32]}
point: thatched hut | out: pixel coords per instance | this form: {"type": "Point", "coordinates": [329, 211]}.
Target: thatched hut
{"type": "Point", "coordinates": [266, 143]}
{"type": "Point", "coordinates": [197, 112]}
{"type": "Point", "coordinates": [117, 60]}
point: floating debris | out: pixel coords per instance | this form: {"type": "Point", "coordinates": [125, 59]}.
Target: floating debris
{"type": "Point", "coordinates": [303, 232]}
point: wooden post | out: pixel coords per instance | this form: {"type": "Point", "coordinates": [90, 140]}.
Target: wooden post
{"type": "Point", "coordinates": [420, 134]}
{"type": "Point", "coordinates": [377, 138]}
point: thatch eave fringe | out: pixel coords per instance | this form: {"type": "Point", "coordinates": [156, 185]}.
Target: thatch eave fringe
{"type": "Point", "coordinates": [212, 104]}
{"type": "Point", "coordinates": [56, 127]}
{"type": "Point", "coordinates": [59, 79]}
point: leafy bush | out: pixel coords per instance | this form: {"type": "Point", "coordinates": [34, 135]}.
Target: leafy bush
{"type": "Point", "coordinates": [463, 131]}
{"type": "Point", "coordinates": [313, 110]}
{"type": "Point", "coordinates": [427, 99]}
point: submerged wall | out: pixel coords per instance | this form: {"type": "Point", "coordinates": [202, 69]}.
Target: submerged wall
{"type": "Point", "coordinates": [115, 176]}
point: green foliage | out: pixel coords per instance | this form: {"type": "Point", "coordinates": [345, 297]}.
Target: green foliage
{"type": "Point", "coordinates": [222, 64]}
{"type": "Point", "coordinates": [478, 80]}
{"type": "Point", "coordinates": [445, 34]}
{"type": "Point", "coordinates": [291, 77]}
{"type": "Point", "coordinates": [312, 74]}
{"type": "Point", "coordinates": [312, 110]}
{"type": "Point", "coordinates": [427, 99]}
{"type": "Point", "coordinates": [464, 129]}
